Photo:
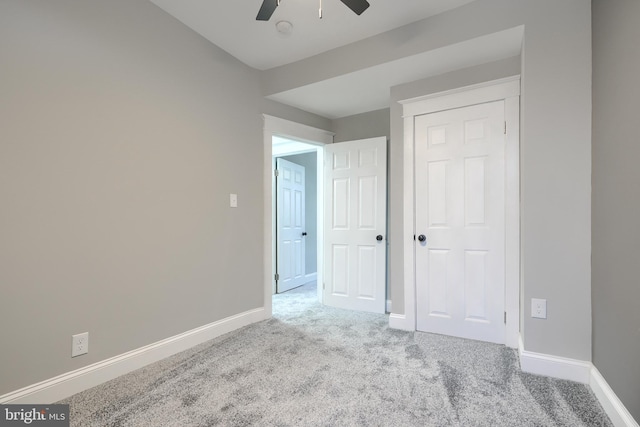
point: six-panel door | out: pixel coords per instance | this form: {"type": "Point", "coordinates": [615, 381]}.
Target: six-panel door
{"type": "Point", "coordinates": [460, 207]}
{"type": "Point", "coordinates": [290, 225]}
{"type": "Point", "coordinates": [355, 230]}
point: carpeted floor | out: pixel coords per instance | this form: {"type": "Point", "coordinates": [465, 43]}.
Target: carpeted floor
{"type": "Point", "coordinates": [312, 365]}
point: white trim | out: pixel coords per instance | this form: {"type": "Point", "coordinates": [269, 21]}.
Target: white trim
{"type": "Point", "coordinates": [389, 306]}
{"type": "Point", "coordinates": [298, 132]}
{"type": "Point", "coordinates": [400, 321]}
{"type": "Point", "coordinates": [274, 213]}
{"type": "Point", "coordinates": [408, 232]}
{"type": "Point", "coordinates": [480, 93]}
{"type": "Point", "coordinates": [507, 89]}
{"type": "Point", "coordinates": [320, 224]}
{"type": "Point", "coordinates": [311, 277]}
{"type": "Point", "coordinates": [512, 221]}
{"type": "Point", "coordinates": [580, 371]}
{"type": "Point", "coordinates": [615, 409]}
{"type": "Point", "coordinates": [73, 382]}
{"type": "Point", "coordinates": [268, 263]}
{"type": "Point", "coordinates": [554, 366]}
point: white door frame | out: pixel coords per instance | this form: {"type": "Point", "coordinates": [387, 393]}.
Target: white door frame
{"type": "Point", "coordinates": [507, 89]}
{"type": "Point", "coordinates": [275, 126]}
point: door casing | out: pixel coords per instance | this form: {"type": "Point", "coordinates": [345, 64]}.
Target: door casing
{"type": "Point", "coordinates": [507, 89]}
{"type": "Point", "coordinates": [275, 126]}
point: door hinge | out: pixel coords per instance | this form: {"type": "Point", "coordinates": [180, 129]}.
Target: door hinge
{"type": "Point", "coordinates": [276, 276]}
{"type": "Point", "coordinates": [323, 286]}
{"type": "Point", "coordinates": [505, 317]}
{"type": "Point", "coordinates": [505, 127]}
{"type": "Point", "coordinates": [276, 172]}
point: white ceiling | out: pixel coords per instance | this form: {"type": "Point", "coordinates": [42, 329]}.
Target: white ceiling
{"type": "Point", "coordinates": [231, 25]}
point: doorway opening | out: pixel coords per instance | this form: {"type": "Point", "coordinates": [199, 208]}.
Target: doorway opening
{"type": "Point", "coordinates": [291, 139]}
{"type": "Point", "coordinates": [349, 273]}
{"type": "Point", "coordinates": [295, 201]}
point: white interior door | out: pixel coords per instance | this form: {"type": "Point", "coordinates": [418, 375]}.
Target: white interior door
{"type": "Point", "coordinates": [355, 224]}
{"type": "Point", "coordinates": [290, 223]}
{"type": "Point", "coordinates": [460, 205]}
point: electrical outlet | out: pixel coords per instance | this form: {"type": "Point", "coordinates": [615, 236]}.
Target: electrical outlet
{"type": "Point", "coordinates": [539, 308]}
{"type": "Point", "coordinates": [80, 344]}
{"type": "Point", "coordinates": [233, 200]}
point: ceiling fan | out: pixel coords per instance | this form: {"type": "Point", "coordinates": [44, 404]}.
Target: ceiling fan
{"type": "Point", "coordinates": [269, 6]}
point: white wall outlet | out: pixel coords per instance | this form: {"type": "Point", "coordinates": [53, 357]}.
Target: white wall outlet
{"type": "Point", "coordinates": [80, 344]}
{"type": "Point", "coordinates": [539, 308]}
{"type": "Point", "coordinates": [233, 200]}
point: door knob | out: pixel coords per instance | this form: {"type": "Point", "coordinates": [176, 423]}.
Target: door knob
{"type": "Point", "coordinates": [379, 237]}
{"type": "Point", "coordinates": [422, 238]}
{"type": "Point", "coordinates": [304, 233]}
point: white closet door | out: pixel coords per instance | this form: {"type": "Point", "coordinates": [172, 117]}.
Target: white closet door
{"type": "Point", "coordinates": [460, 214]}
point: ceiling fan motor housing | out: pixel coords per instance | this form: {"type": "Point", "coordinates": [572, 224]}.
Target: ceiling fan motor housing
{"type": "Point", "coordinates": [269, 6]}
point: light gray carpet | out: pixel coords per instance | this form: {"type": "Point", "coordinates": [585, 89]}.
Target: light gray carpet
{"type": "Point", "coordinates": [317, 366]}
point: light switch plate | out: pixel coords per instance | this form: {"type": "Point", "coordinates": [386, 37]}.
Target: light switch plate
{"type": "Point", "coordinates": [233, 200]}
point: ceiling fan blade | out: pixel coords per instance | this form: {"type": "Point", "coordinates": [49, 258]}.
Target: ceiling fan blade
{"type": "Point", "coordinates": [358, 6]}
{"type": "Point", "coordinates": [266, 10]}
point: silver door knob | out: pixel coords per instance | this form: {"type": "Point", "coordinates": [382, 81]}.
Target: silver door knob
{"type": "Point", "coordinates": [422, 238]}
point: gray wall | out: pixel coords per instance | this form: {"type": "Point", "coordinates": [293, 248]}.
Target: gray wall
{"type": "Point", "coordinates": [362, 126]}
{"type": "Point", "coordinates": [122, 134]}
{"type": "Point", "coordinates": [308, 160]}
{"type": "Point", "coordinates": [616, 204]}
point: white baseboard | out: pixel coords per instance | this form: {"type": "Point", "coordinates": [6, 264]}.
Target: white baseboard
{"type": "Point", "coordinates": [582, 372]}
{"type": "Point", "coordinates": [388, 306]}
{"type": "Point", "coordinates": [615, 409]}
{"type": "Point", "coordinates": [399, 321]}
{"type": "Point", "coordinates": [311, 277]}
{"type": "Point", "coordinates": [554, 366]}
{"type": "Point", "coordinates": [73, 382]}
